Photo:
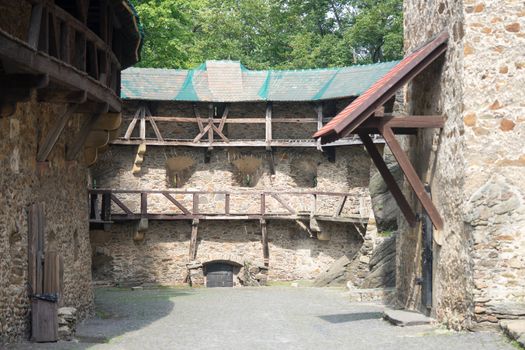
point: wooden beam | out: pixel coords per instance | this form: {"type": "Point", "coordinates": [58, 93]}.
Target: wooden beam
{"type": "Point", "coordinates": [144, 204]}
{"type": "Point", "coordinates": [197, 118]}
{"type": "Point", "coordinates": [283, 203]}
{"type": "Point", "coordinates": [193, 239]}
{"type": "Point", "coordinates": [55, 94]}
{"type": "Point", "coordinates": [131, 125]}
{"type": "Point", "coordinates": [340, 207]}
{"type": "Point", "coordinates": [177, 203]}
{"type": "Point", "coordinates": [223, 119]}
{"type": "Point", "coordinates": [412, 177]}
{"type": "Point", "coordinates": [414, 121]}
{"type": "Point", "coordinates": [264, 241]}
{"type": "Point", "coordinates": [121, 205]}
{"type": "Point", "coordinates": [201, 135]}
{"type": "Point", "coordinates": [271, 160]}
{"type": "Point", "coordinates": [54, 134]}
{"type": "Point", "coordinates": [80, 139]}
{"type": "Point", "coordinates": [210, 123]}
{"type": "Point", "coordinates": [153, 124]}
{"type": "Point", "coordinates": [389, 179]}
{"type": "Point", "coordinates": [227, 204]}
{"type": "Point", "coordinates": [35, 23]}
{"type": "Point", "coordinates": [219, 132]}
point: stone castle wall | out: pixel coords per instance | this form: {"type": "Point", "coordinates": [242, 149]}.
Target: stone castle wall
{"type": "Point", "coordinates": [473, 165]}
{"type": "Point", "coordinates": [293, 254]}
{"type": "Point", "coordinates": [62, 187]}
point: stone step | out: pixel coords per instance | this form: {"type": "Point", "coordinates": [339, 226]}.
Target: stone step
{"type": "Point", "coordinates": [514, 329]}
{"type": "Point", "coordinates": [403, 318]}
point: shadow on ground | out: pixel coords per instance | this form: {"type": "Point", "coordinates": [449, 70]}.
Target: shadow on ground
{"type": "Point", "coordinates": [352, 317]}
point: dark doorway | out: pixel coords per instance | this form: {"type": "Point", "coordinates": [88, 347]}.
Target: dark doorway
{"type": "Point", "coordinates": [219, 275]}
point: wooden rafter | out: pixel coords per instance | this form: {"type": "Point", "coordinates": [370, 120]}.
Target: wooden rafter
{"type": "Point", "coordinates": [153, 124]}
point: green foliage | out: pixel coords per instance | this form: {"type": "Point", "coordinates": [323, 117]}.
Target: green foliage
{"type": "Point", "coordinates": [287, 34]}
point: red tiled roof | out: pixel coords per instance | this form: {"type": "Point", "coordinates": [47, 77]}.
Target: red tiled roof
{"type": "Point", "coordinates": [364, 106]}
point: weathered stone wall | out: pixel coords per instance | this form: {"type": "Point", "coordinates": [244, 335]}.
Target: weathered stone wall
{"type": "Point", "coordinates": [474, 164]}
{"type": "Point", "coordinates": [163, 255]}
{"type": "Point", "coordinates": [62, 187]}
{"type": "Point", "coordinates": [293, 254]}
{"type": "Point", "coordinates": [494, 189]}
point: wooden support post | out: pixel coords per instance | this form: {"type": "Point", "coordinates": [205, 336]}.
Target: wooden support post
{"type": "Point", "coordinates": [210, 124]}
{"type": "Point", "coordinates": [264, 241]}
{"type": "Point", "coordinates": [121, 205]}
{"type": "Point", "coordinates": [283, 203]}
{"type": "Point", "coordinates": [54, 134]}
{"type": "Point", "coordinates": [142, 123]}
{"type": "Point", "coordinates": [144, 204]}
{"type": "Point", "coordinates": [106, 207]}
{"type": "Point", "coordinates": [193, 240]}
{"type": "Point", "coordinates": [263, 203]}
{"type": "Point", "coordinates": [132, 124]}
{"type": "Point", "coordinates": [195, 204]}
{"type": "Point", "coordinates": [319, 110]}
{"type": "Point", "coordinates": [389, 179]}
{"type": "Point", "coordinates": [339, 209]}
{"type": "Point", "coordinates": [268, 123]}
{"type": "Point", "coordinates": [198, 118]}
{"type": "Point", "coordinates": [271, 161]}
{"type": "Point", "coordinates": [412, 177]}
{"type": "Point", "coordinates": [177, 203]}
{"type": "Point", "coordinates": [227, 204]}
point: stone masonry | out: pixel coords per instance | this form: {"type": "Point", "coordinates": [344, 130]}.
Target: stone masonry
{"type": "Point", "coordinates": [475, 165]}
{"type": "Point", "coordinates": [62, 187]}
{"type": "Point", "coordinates": [295, 253]}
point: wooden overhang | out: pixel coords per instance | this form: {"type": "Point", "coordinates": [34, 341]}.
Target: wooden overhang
{"type": "Point", "coordinates": [360, 117]}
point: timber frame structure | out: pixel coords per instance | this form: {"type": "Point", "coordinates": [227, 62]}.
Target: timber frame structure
{"type": "Point", "coordinates": [72, 53]}
{"type": "Point", "coordinates": [354, 119]}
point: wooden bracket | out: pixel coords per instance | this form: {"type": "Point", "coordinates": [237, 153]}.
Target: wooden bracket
{"type": "Point", "coordinates": [389, 179]}
{"type": "Point", "coordinates": [412, 176]}
{"type": "Point", "coordinates": [80, 139]}
{"type": "Point", "coordinates": [54, 134]}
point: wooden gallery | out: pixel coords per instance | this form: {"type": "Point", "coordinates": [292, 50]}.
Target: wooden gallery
{"type": "Point", "coordinates": [60, 64]}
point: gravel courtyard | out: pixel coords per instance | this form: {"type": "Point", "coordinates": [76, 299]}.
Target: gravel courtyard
{"type": "Point", "coordinates": [253, 318]}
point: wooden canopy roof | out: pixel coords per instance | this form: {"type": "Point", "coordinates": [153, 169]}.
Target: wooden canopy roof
{"type": "Point", "coordinates": [384, 89]}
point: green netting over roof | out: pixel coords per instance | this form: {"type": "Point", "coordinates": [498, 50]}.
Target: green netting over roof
{"type": "Point", "coordinates": [229, 81]}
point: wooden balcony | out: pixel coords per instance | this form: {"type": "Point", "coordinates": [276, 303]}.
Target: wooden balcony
{"type": "Point", "coordinates": [109, 206]}
{"type": "Point", "coordinates": [61, 57]}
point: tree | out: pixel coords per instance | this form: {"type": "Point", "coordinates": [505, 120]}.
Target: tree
{"type": "Point", "coordinates": [271, 33]}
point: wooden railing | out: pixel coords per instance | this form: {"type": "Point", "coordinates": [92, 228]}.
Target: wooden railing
{"type": "Point", "coordinates": [57, 33]}
{"type": "Point", "coordinates": [107, 205]}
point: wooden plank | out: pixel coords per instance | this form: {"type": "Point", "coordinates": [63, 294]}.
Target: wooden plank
{"type": "Point", "coordinates": [80, 139]}
{"type": "Point", "coordinates": [120, 204]}
{"type": "Point", "coordinates": [193, 239]}
{"type": "Point", "coordinates": [177, 203]}
{"type": "Point", "coordinates": [340, 207]}
{"type": "Point", "coordinates": [153, 124]}
{"type": "Point", "coordinates": [51, 273]}
{"type": "Point", "coordinates": [106, 207]}
{"type": "Point", "coordinates": [54, 36]}
{"type": "Point", "coordinates": [43, 40]}
{"type": "Point", "coordinates": [264, 241]}
{"type": "Point", "coordinates": [283, 203]}
{"type": "Point", "coordinates": [65, 42]}
{"type": "Point", "coordinates": [35, 24]}
{"type": "Point", "coordinates": [44, 325]}
{"type": "Point", "coordinates": [210, 123]}
{"type": "Point", "coordinates": [412, 177]}
{"type": "Point", "coordinates": [53, 136]}
{"type": "Point", "coordinates": [389, 179]}
{"type": "Point", "coordinates": [40, 249]}
{"type": "Point", "coordinates": [131, 125]}
{"type": "Point", "coordinates": [408, 122]}
{"type": "Point", "coordinates": [168, 118]}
